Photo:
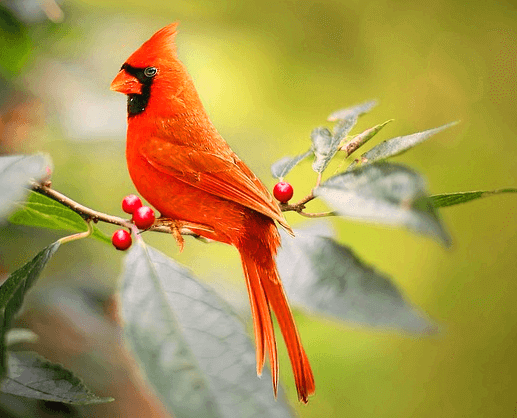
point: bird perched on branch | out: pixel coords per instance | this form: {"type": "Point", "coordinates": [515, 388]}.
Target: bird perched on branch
{"type": "Point", "coordinates": [186, 170]}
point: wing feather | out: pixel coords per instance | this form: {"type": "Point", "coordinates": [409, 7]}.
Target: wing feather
{"type": "Point", "coordinates": [222, 175]}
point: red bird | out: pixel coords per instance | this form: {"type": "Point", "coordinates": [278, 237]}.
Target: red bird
{"type": "Point", "coordinates": [185, 169]}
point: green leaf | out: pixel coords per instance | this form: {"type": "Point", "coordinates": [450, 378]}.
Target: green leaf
{"type": "Point", "coordinates": [384, 193]}
{"type": "Point", "coordinates": [363, 138]}
{"type": "Point", "coordinates": [13, 291]}
{"type": "Point", "coordinates": [15, 43]}
{"type": "Point", "coordinates": [450, 199]}
{"type": "Point", "coordinates": [34, 377]}
{"type": "Point", "coordinates": [43, 212]}
{"type": "Point", "coordinates": [398, 145]}
{"type": "Point", "coordinates": [328, 278]}
{"type": "Point", "coordinates": [353, 111]}
{"type": "Point", "coordinates": [189, 343]}
{"type": "Point", "coordinates": [16, 172]}
{"type": "Point", "coordinates": [282, 167]}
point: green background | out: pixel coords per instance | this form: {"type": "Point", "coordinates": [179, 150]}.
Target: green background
{"type": "Point", "coordinates": [270, 71]}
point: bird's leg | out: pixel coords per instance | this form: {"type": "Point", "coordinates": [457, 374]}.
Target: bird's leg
{"type": "Point", "coordinates": [179, 228]}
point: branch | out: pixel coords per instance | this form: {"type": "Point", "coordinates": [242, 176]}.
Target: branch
{"type": "Point", "coordinates": [163, 224]}
{"type": "Point", "coordinates": [299, 206]}
{"type": "Point", "coordinates": [85, 212]}
{"type": "Point", "coordinates": [89, 214]}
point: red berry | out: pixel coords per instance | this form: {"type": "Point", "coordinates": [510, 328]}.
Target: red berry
{"type": "Point", "coordinates": [121, 239]}
{"type": "Point", "coordinates": [283, 191]}
{"type": "Point", "coordinates": [131, 203]}
{"type": "Point", "coordinates": [143, 217]}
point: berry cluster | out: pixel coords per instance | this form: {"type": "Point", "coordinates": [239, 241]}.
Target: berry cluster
{"type": "Point", "coordinates": [143, 217]}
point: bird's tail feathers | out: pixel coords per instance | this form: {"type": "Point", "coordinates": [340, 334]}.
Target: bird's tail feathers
{"type": "Point", "coordinates": [266, 291]}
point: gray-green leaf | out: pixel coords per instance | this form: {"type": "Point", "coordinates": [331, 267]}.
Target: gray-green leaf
{"type": "Point", "coordinates": [34, 377]}
{"type": "Point", "coordinates": [283, 166]}
{"type": "Point", "coordinates": [398, 145]}
{"type": "Point", "coordinates": [385, 193]}
{"type": "Point", "coordinates": [450, 199]}
{"type": "Point", "coordinates": [13, 291]}
{"type": "Point", "coordinates": [44, 212]}
{"type": "Point", "coordinates": [329, 278]}
{"type": "Point", "coordinates": [16, 172]}
{"type": "Point", "coordinates": [325, 146]}
{"type": "Point", "coordinates": [190, 344]}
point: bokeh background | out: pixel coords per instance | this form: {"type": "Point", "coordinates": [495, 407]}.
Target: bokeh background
{"type": "Point", "coordinates": [268, 72]}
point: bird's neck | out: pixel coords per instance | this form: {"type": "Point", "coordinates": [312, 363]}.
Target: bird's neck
{"type": "Point", "coordinates": [177, 116]}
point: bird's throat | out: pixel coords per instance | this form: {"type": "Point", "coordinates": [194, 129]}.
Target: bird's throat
{"type": "Point", "coordinates": [137, 103]}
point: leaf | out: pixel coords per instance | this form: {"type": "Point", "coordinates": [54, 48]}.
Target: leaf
{"type": "Point", "coordinates": [13, 291]}
{"type": "Point", "coordinates": [191, 346]}
{"type": "Point", "coordinates": [363, 138]}
{"type": "Point", "coordinates": [43, 212]}
{"type": "Point", "coordinates": [34, 377]}
{"type": "Point", "coordinates": [325, 146]}
{"type": "Point", "coordinates": [342, 128]}
{"type": "Point", "coordinates": [398, 145]}
{"type": "Point", "coordinates": [384, 193]}
{"type": "Point", "coordinates": [16, 172]}
{"type": "Point", "coordinates": [282, 167]}
{"type": "Point", "coordinates": [328, 278]}
{"type": "Point", "coordinates": [451, 199]}
{"type": "Point", "coordinates": [354, 111]}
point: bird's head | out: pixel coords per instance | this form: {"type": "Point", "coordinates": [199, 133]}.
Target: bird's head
{"type": "Point", "coordinates": [154, 65]}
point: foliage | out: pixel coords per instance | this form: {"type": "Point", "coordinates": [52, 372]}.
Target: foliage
{"type": "Point", "coordinates": [32, 376]}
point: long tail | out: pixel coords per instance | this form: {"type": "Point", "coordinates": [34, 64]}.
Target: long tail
{"type": "Point", "coordinates": [266, 291]}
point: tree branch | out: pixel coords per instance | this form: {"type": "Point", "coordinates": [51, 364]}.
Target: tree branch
{"type": "Point", "coordinates": [299, 206]}
{"type": "Point", "coordinates": [85, 212]}
{"type": "Point", "coordinates": [89, 214]}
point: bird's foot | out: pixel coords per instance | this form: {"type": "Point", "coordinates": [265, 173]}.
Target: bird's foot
{"type": "Point", "coordinates": [179, 228]}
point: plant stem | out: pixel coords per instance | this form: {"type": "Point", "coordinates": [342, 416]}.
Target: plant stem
{"type": "Point", "coordinates": [79, 235]}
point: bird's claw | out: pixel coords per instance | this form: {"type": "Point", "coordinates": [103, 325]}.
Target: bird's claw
{"type": "Point", "coordinates": [177, 228]}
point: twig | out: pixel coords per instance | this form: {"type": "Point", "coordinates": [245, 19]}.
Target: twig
{"type": "Point", "coordinates": [85, 212]}
{"type": "Point", "coordinates": [299, 206]}
{"type": "Point", "coordinates": [89, 214]}
{"type": "Point", "coordinates": [317, 214]}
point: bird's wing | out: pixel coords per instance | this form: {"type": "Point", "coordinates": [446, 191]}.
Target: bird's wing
{"type": "Point", "coordinates": [222, 175]}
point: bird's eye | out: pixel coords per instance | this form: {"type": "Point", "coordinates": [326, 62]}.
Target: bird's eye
{"type": "Point", "coordinates": [150, 72]}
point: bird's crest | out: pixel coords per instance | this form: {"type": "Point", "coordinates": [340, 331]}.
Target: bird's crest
{"type": "Point", "coordinates": [160, 47]}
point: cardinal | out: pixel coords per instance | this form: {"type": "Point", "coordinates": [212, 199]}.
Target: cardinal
{"type": "Point", "coordinates": [186, 170]}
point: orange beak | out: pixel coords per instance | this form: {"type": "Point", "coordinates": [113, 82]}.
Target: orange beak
{"type": "Point", "coordinates": [126, 84]}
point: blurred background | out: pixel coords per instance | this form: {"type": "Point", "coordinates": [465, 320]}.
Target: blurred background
{"type": "Point", "coordinates": [268, 72]}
